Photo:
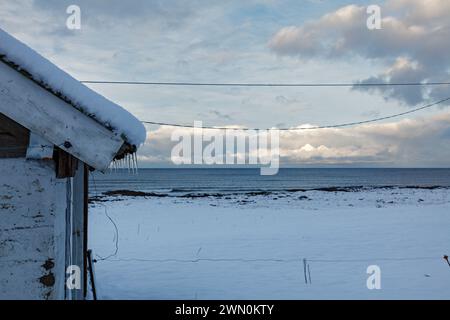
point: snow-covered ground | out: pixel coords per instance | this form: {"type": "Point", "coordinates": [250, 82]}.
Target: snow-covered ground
{"type": "Point", "coordinates": [253, 247]}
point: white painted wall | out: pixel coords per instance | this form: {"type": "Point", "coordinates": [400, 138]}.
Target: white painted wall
{"type": "Point", "coordinates": [32, 230]}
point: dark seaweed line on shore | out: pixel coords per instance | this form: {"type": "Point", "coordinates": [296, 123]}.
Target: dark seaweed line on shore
{"type": "Point", "coordinates": [193, 195]}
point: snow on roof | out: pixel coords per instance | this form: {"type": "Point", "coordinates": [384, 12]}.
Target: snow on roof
{"type": "Point", "coordinates": [81, 97]}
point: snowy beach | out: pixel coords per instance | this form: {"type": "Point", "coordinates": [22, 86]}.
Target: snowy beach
{"type": "Point", "coordinates": [252, 246]}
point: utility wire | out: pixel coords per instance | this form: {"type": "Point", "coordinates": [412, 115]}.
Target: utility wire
{"type": "Point", "coordinates": [116, 229]}
{"type": "Point", "coordinates": [211, 84]}
{"type": "Point", "coordinates": [203, 260]}
{"type": "Point", "coordinates": [348, 124]}
{"type": "Point", "coordinates": [246, 260]}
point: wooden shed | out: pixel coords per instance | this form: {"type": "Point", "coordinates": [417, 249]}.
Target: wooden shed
{"type": "Point", "coordinates": [53, 132]}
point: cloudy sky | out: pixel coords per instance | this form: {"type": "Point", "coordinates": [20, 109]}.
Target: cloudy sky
{"type": "Point", "coordinates": [262, 41]}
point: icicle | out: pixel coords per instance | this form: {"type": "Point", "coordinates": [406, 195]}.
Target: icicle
{"type": "Point", "coordinates": [133, 169]}
{"type": "Point", "coordinates": [129, 163]}
{"type": "Point", "coordinates": [135, 164]}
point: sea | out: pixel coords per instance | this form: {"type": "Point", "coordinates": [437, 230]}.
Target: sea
{"type": "Point", "coordinates": [222, 181]}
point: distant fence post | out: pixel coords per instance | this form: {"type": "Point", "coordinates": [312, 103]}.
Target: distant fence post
{"type": "Point", "coordinates": [304, 270]}
{"type": "Point", "coordinates": [309, 274]}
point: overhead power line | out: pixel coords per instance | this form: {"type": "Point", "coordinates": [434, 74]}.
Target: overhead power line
{"type": "Point", "coordinates": [348, 124]}
{"type": "Point", "coordinates": [211, 84]}
{"type": "Point", "coordinates": [247, 260]}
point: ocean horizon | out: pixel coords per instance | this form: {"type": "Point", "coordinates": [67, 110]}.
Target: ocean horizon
{"type": "Point", "coordinates": [179, 181]}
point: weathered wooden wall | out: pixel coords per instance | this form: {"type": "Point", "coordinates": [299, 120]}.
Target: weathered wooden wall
{"type": "Point", "coordinates": [77, 228]}
{"type": "Point", "coordinates": [13, 138]}
{"type": "Point", "coordinates": [32, 230]}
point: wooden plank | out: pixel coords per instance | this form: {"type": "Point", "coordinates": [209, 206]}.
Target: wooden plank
{"type": "Point", "coordinates": [34, 224]}
{"type": "Point", "coordinates": [85, 226]}
{"type": "Point", "coordinates": [43, 113]}
{"type": "Point", "coordinates": [66, 164]}
{"type": "Point", "coordinates": [14, 138]}
{"type": "Point", "coordinates": [39, 148]}
{"type": "Point", "coordinates": [68, 233]}
{"type": "Point", "coordinates": [78, 231]}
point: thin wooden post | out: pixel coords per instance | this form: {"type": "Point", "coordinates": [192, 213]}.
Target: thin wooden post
{"type": "Point", "coordinates": [77, 228]}
{"type": "Point", "coordinates": [304, 271]}
{"type": "Point", "coordinates": [309, 274]}
{"type": "Point", "coordinates": [92, 274]}
{"type": "Point", "coordinates": [85, 227]}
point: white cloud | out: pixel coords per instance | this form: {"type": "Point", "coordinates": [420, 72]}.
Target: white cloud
{"type": "Point", "coordinates": [413, 44]}
{"type": "Point", "coordinates": [420, 142]}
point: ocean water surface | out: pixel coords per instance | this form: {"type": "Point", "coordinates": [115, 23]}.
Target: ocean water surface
{"type": "Point", "coordinates": [226, 181]}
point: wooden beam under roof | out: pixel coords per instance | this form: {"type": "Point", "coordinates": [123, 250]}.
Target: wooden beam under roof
{"type": "Point", "coordinates": [43, 113]}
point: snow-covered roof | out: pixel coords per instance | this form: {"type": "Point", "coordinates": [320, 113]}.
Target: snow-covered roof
{"type": "Point", "coordinates": [71, 90]}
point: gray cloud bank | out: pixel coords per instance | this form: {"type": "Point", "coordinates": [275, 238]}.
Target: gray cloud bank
{"type": "Point", "coordinates": [405, 143]}
{"type": "Point", "coordinates": [413, 44]}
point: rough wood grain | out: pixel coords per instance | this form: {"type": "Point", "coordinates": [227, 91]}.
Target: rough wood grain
{"type": "Point", "coordinates": [14, 138]}
{"type": "Point", "coordinates": [32, 230]}
{"type": "Point", "coordinates": [66, 164]}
